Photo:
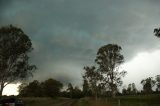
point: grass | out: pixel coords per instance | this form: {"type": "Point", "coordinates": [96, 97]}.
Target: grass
{"type": "Point", "coordinates": [138, 100]}
{"type": "Point", "coordinates": [83, 102]}
{"type": "Point", "coordinates": [39, 101]}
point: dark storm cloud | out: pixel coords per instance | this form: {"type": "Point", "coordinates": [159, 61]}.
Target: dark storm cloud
{"type": "Point", "coordinates": [66, 34]}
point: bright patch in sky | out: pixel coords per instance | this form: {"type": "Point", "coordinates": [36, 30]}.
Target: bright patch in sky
{"type": "Point", "coordinates": [11, 89]}
{"type": "Point", "coordinates": [143, 65]}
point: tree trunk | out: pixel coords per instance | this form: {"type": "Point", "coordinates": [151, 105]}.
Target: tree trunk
{"type": "Point", "coordinates": [112, 85]}
{"type": "Point", "coordinates": [113, 90]}
{"type": "Point", "coordinates": [96, 98]}
{"type": "Point", "coordinates": [1, 92]}
{"type": "Point", "coordinates": [1, 89]}
{"type": "Point", "coordinates": [113, 93]}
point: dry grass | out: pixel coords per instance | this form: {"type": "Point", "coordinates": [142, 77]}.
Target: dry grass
{"type": "Point", "coordinates": [99, 102]}
{"type": "Point", "coordinates": [37, 101]}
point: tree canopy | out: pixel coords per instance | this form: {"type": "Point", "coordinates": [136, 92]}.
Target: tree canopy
{"type": "Point", "coordinates": [105, 74]}
{"type": "Point", "coordinates": [47, 88]}
{"type": "Point", "coordinates": [148, 83]}
{"type": "Point", "coordinates": [109, 59]}
{"type": "Point", "coordinates": [14, 60]}
{"type": "Point", "coordinates": [157, 32]}
{"type": "Point", "coordinates": [158, 83]}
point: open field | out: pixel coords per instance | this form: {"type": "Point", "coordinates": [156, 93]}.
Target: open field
{"type": "Point", "coordinates": [139, 100]}
{"type": "Point", "coordinates": [46, 101]}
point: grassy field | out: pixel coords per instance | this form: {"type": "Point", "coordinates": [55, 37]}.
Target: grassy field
{"type": "Point", "coordinates": [83, 102]}
{"type": "Point", "coordinates": [35, 101]}
{"type": "Point", "coordinates": [139, 100]}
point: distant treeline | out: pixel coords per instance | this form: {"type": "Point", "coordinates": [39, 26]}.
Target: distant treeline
{"type": "Point", "coordinates": [147, 84]}
{"type": "Point", "coordinates": [53, 88]}
{"type": "Point", "coordinates": [49, 88]}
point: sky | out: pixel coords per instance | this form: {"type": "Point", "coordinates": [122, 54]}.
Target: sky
{"type": "Point", "coordinates": [66, 35]}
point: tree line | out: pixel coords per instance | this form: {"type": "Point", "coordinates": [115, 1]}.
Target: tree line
{"type": "Point", "coordinates": [148, 85]}
{"type": "Point", "coordinates": [101, 79]}
{"type": "Point", "coordinates": [54, 88]}
{"type": "Point", "coordinates": [49, 88]}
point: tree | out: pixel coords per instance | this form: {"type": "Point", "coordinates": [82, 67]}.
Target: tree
{"type": "Point", "coordinates": [158, 83]}
{"type": "Point", "coordinates": [109, 60]}
{"type": "Point", "coordinates": [22, 89]}
{"type": "Point", "coordinates": [86, 88]}
{"type": "Point", "coordinates": [77, 93]}
{"type": "Point", "coordinates": [148, 83]}
{"type": "Point", "coordinates": [134, 89]}
{"type": "Point", "coordinates": [94, 79]}
{"type": "Point", "coordinates": [124, 91]}
{"type": "Point", "coordinates": [131, 89]}
{"type": "Point", "coordinates": [52, 87]}
{"type": "Point", "coordinates": [14, 60]}
{"type": "Point", "coordinates": [48, 88]}
{"type": "Point", "coordinates": [157, 32]}
{"type": "Point", "coordinates": [70, 89]}
{"type": "Point", "coordinates": [33, 89]}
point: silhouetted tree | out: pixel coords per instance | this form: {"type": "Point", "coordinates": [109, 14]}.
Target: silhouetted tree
{"type": "Point", "coordinates": [158, 83]}
{"type": "Point", "coordinates": [157, 32]}
{"type": "Point", "coordinates": [109, 59]}
{"type": "Point", "coordinates": [33, 89]}
{"type": "Point", "coordinates": [134, 89]}
{"type": "Point", "coordinates": [52, 87]}
{"type": "Point", "coordinates": [22, 89]}
{"type": "Point", "coordinates": [77, 93]}
{"type": "Point", "coordinates": [124, 91]}
{"type": "Point", "coordinates": [48, 88]}
{"type": "Point", "coordinates": [70, 90]}
{"type": "Point", "coordinates": [129, 89]}
{"type": "Point", "coordinates": [14, 48]}
{"type": "Point", "coordinates": [93, 77]}
{"type": "Point", "coordinates": [86, 88]}
{"type": "Point", "coordinates": [148, 83]}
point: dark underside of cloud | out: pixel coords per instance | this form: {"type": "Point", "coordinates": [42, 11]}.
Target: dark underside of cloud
{"type": "Point", "coordinates": [66, 34]}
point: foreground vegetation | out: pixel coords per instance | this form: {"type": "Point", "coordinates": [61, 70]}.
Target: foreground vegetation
{"type": "Point", "coordinates": [42, 101]}
{"type": "Point", "coordinates": [138, 100]}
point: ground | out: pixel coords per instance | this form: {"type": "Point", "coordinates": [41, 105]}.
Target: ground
{"type": "Point", "coordinates": [145, 100]}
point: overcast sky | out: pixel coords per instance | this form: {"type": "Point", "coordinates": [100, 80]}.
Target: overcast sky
{"type": "Point", "coordinates": [66, 34]}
